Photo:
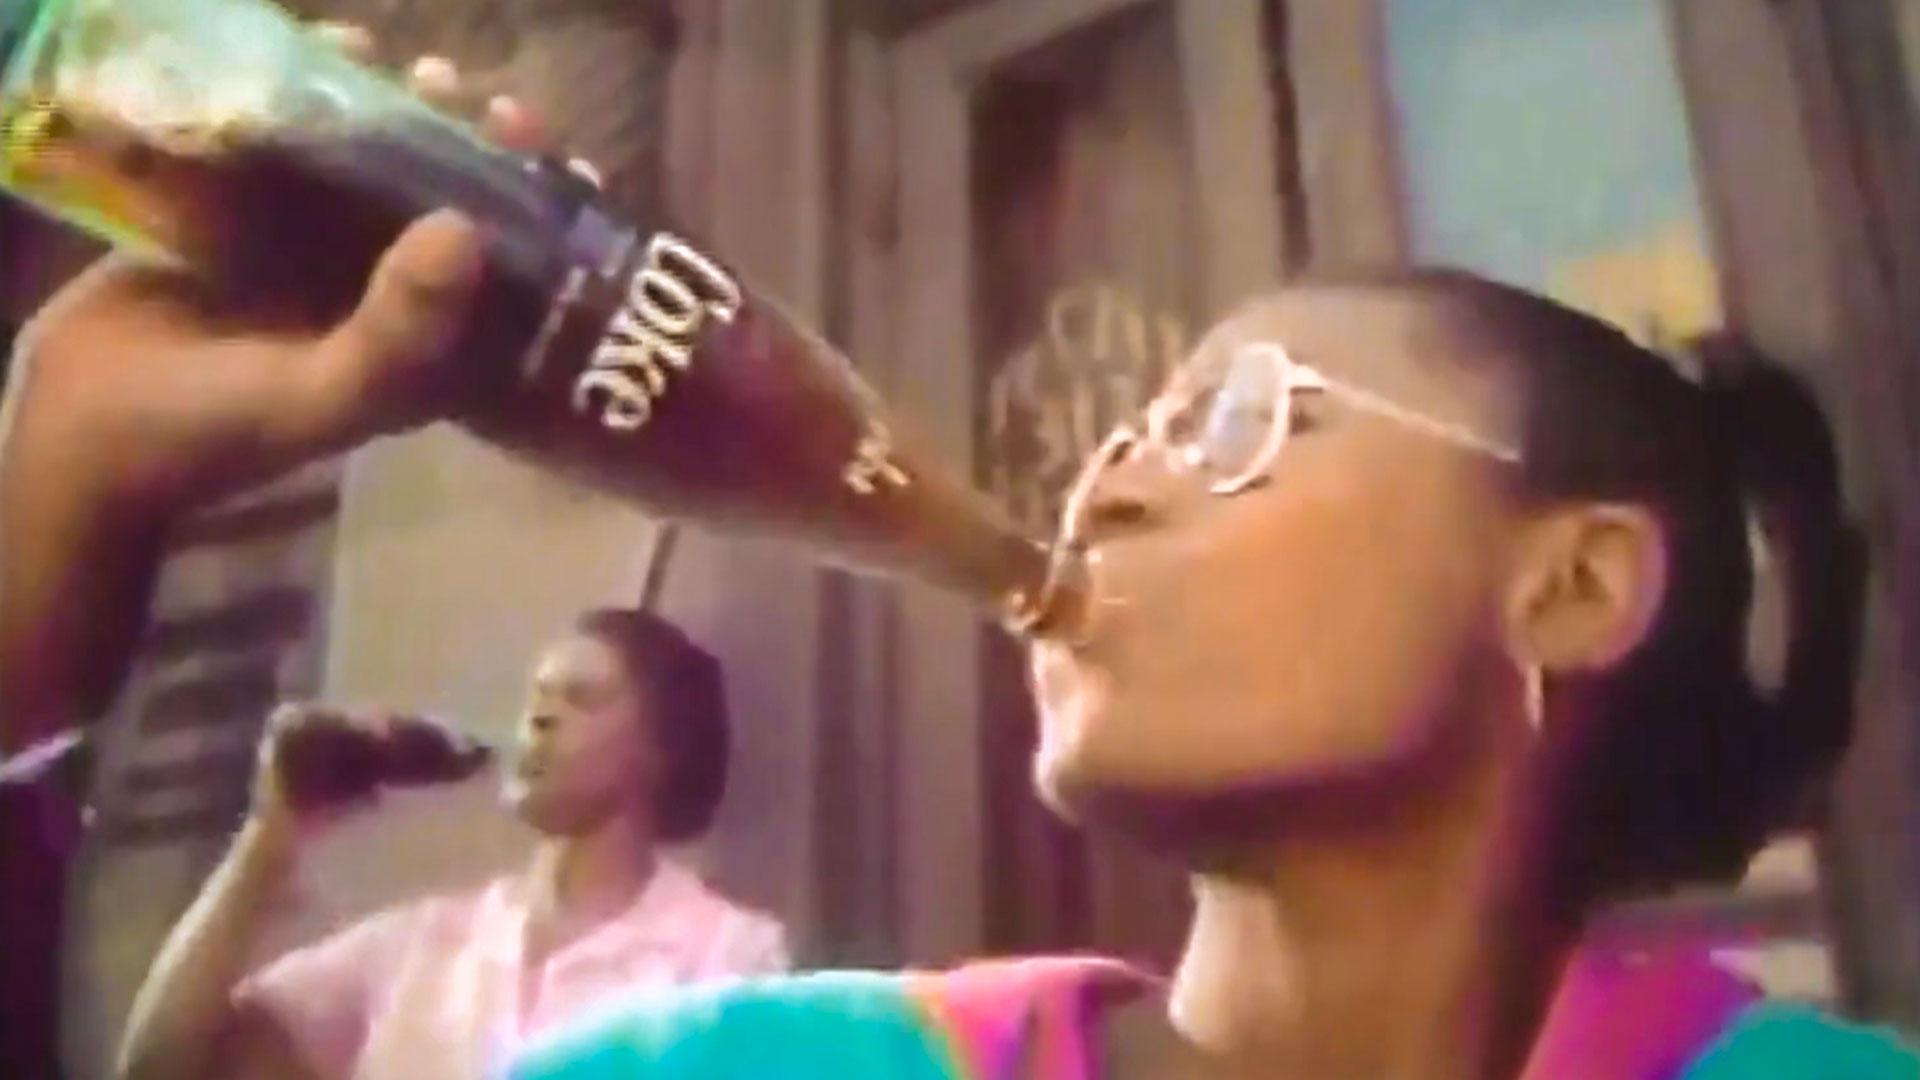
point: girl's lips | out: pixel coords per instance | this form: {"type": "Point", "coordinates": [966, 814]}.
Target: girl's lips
{"type": "Point", "coordinates": [1079, 602]}
{"type": "Point", "coordinates": [1065, 663]}
{"type": "Point", "coordinates": [1052, 670]}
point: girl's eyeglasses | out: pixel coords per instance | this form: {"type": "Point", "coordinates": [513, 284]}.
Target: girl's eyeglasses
{"type": "Point", "coordinates": [1228, 415]}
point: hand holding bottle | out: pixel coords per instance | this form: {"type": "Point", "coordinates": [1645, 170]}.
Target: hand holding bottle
{"type": "Point", "coordinates": [141, 390]}
{"type": "Point", "coordinates": [615, 350]}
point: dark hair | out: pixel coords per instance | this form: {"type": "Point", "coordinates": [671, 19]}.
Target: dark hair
{"type": "Point", "coordinates": [687, 693]}
{"type": "Point", "coordinates": [1690, 765]}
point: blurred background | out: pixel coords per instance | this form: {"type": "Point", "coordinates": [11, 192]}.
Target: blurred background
{"type": "Point", "coordinates": [1015, 214]}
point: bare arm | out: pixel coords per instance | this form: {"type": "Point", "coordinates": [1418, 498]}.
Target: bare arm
{"type": "Point", "coordinates": [184, 1022]}
{"type": "Point", "coordinates": [187, 1020]}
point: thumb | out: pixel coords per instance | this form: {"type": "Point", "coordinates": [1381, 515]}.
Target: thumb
{"type": "Point", "coordinates": [382, 361]}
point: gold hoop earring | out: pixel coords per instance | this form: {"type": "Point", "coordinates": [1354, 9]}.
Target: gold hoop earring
{"type": "Point", "coordinates": [1533, 689]}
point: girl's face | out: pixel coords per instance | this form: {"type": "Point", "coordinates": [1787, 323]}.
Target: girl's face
{"type": "Point", "coordinates": [1283, 600]}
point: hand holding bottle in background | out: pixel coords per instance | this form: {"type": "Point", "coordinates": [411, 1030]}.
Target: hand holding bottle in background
{"type": "Point", "coordinates": [316, 760]}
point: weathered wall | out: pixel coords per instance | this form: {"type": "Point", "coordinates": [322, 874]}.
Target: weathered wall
{"type": "Point", "coordinates": [455, 563]}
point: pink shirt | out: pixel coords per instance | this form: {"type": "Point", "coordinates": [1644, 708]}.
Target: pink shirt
{"type": "Point", "coordinates": [434, 989]}
{"type": "Point", "coordinates": [1637, 1013]}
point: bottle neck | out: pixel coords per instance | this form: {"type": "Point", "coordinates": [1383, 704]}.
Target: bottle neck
{"type": "Point", "coordinates": [659, 377]}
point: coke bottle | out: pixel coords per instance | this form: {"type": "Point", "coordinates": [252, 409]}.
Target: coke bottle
{"type": "Point", "coordinates": [324, 757]}
{"type": "Point", "coordinates": [219, 133]}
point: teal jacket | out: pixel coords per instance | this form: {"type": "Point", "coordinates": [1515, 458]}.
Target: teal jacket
{"type": "Point", "coordinates": [1035, 1020]}
{"type": "Point", "coordinates": [1793, 1042]}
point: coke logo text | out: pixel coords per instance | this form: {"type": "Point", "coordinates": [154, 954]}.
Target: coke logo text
{"type": "Point", "coordinates": [668, 303]}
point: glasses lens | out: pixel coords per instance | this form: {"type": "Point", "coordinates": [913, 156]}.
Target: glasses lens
{"type": "Point", "coordinates": [1218, 416]}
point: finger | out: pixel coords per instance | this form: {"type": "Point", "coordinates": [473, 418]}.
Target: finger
{"type": "Point", "coordinates": [588, 171]}
{"type": "Point", "coordinates": [513, 125]}
{"type": "Point", "coordinates": [416, 299]}
{"type": "Point", "coordinates": [285, 715]}
{"type": "Point", "coordinates": [440, 83]}
{"type": "Point", "coordinates": [516, 127]}
{"type": "Point", "coordinates": [414, 307]}
{"type": "Point", "coordinates": [355, 41]}
{"type": "Point", "coordinates": [435, 78]}
{"type": "Point", "coordinates": [322, 816]}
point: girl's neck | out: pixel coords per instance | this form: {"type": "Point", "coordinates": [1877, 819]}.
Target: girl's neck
{"type": "Point", "coordinates": [1410, 949]}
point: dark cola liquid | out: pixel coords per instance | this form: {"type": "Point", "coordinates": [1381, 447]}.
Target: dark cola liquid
{"type": "Point", "coordinates": [304, 216]}
{"type": "Point", "coordinates": [296, 217]}
{"type": "Point", "coordinates": [326, 759]}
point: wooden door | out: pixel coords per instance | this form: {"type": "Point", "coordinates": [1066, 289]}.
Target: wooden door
{"type": "Point", "coordinates": [1080, 184]}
